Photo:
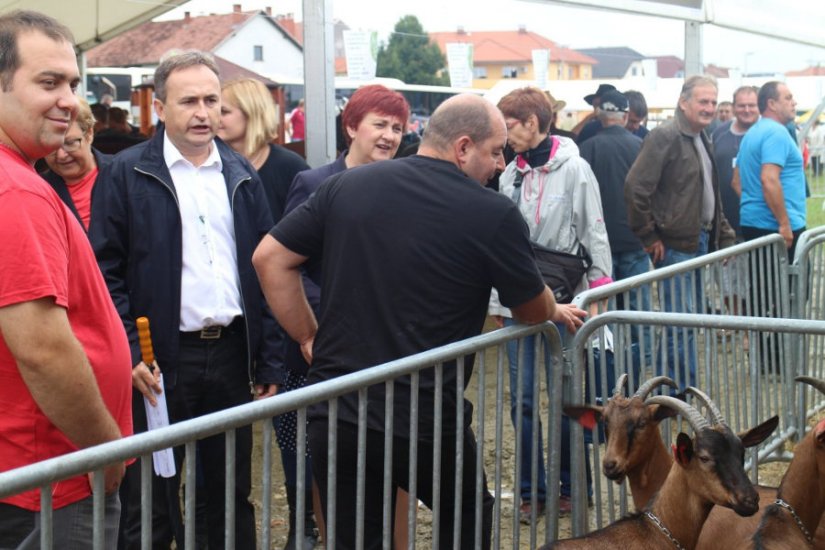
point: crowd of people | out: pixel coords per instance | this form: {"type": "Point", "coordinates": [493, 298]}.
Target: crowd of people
{"type": "Point", "coordinates": [260, 275]}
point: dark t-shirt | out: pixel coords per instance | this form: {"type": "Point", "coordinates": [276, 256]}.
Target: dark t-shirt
{"type": "Point", "coordinates": [411, 249]}
{"type": "Point", "coordinates": [277, 173]}
{"type": "Point", "coordinates": [725, 149]}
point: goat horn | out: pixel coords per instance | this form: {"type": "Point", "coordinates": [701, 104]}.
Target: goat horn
{"type": "Point", "coordinates": [694, 417]}
{"type": "Point", "coordinates": [707, 402]}
{"type": "Point", "coordinates": [621, 384]}
{"type": "Point", "coordinates": [813, 382]}
{"type": "Point", "coordinates": [653, 383]}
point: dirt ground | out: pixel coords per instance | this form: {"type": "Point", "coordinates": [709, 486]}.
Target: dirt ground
{"type": "Point", "coordinates": [769, 474]}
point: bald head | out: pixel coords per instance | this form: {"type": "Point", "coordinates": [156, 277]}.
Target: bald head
{"type": "Point", "coordinates": [461, 115]}
{"type": "Point", "coordinates": [468, 131]}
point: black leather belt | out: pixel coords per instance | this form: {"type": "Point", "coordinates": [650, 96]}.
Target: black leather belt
{"type": "Point", "coordinates": [215, 332]}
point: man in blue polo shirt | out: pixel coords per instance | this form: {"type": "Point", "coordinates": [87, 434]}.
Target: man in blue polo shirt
{"type": "Point", "coordinates": [772, 180]}
{"type": "Point", "coordinates": [771, 171]}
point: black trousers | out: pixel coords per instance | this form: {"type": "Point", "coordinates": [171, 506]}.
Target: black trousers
{"type": "Point", "coordinates": [346, 485]}
{"type": "Point", "coordinates": [212, 376]}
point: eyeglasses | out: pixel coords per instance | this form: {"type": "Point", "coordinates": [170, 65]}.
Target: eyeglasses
{"type": "Point", "coordinates": [72, 145]}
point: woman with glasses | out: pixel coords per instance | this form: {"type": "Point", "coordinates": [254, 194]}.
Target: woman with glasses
{"type": "Point", "coordinates": [559, 197]}
{"type": "Point", "coordinates": [74, 167]}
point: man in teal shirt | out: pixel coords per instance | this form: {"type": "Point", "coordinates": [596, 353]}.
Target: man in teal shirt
{"type": "Point", "coordinates": [771, 171]}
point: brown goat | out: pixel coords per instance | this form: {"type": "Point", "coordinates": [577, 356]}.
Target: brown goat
{"type": "Point", "coordinates": [791, 524]}
{"type": "Point", "coordinates": [635, 450]}
{"type": "Point", "coordinates": [707, 470]}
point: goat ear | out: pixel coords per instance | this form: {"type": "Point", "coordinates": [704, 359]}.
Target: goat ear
{"type": "Point", "coordinates": [760, 433]}
{"type": "Point", "coordinates": [819, 431]}
{"type": "Point", "coordinates": [683, 449]}
{"type": "Point", "coordinates": [587, 415]}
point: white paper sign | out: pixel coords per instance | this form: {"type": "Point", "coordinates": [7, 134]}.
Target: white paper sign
{"type": "Point", "coordinates": [361, 49]}
{"type": "Point", "coordinates": [157, 417]}
{"type": "Point", "coordinates": [541, 59]}
{"type": "Point", "coordinates": [460, 64]}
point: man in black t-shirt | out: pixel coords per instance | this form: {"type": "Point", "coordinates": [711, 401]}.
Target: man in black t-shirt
{"type": "Point", "coordinates": [411, 249]}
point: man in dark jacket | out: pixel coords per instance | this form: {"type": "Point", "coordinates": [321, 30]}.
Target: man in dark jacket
{"type": "Point", "coordinates": [674, 205]}
{"type": "Point", "coordinates": [176, 221]}
{"type": "Point", "coordinates": [610, 154]}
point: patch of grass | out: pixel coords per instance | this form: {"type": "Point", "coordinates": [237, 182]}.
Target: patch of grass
{"type": "Point", "coordinates": [816, 203]}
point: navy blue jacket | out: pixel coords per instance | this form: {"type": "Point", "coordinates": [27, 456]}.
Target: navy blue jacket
{"type": "Point", "coordinates": [136, 235]}
{"type": "Point", "coordinates": [611, 153]}
{"type": "Point", "coordinates": [59, 185]}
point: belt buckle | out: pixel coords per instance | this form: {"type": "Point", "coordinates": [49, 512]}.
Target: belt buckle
{"type": "Point", "coordinates": [211, 333]}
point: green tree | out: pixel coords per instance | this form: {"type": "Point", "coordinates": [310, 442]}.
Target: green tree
{"type": "Point", "coordinates": [410, 56]}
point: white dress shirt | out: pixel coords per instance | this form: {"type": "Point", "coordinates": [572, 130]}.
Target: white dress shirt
{"type": "Point", "coordinates": [210, 285]}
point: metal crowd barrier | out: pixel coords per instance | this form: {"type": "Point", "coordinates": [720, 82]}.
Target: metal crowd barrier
{"type": "Point", "coordinates": [496, 452]}
{"type": "Point", "coordinates": [808, 275]}
{"type": "Point", "coordinates": [745, 394]}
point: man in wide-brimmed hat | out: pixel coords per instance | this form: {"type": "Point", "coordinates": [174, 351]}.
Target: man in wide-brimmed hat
{"type": "Point", "coordinates": [590, 126]}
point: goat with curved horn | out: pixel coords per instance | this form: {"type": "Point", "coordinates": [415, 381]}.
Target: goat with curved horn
{"type": "Point", "coordinates": [621, 384]}
{"type": "Point", "coordinates": [694, 417]}
{"type": "Point", "coordinates": [813, 382]}
{"type": "Point", "coordinates": [707, 402]}
{"type": "Point", "coordinates": [652, 384]}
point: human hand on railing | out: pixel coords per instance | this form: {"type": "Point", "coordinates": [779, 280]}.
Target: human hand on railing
{"type": "Point", "coordinates": [146, 380]}
{"type": "Point", "coordinates": [787, 234]}
{"type": "Point", "coordinates": [261, 391]}
{"type": "Point", "coordinates": [570, 316]}
{"type": "Point", "coordinates": [596, 307]}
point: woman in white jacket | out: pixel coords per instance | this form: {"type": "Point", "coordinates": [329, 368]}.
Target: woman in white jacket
{"type": "Point", "coordinates": [558, 195]}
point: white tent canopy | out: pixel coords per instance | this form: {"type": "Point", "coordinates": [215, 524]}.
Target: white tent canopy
{"type": "Point", "coordinates": [799, 21]}
{"type": "Point", "coordinates": [93, 21]}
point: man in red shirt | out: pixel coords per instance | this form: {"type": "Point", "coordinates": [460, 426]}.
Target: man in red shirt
{"type": "Point", "coordinates": [297, 122]}
{"type": "Point", "coordinates": [65, 365]}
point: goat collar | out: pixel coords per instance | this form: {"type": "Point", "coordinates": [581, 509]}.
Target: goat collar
{"type": "Point", "coordinates": [782, 504]}
{"type": "Point", "coordinates": [665, 531]}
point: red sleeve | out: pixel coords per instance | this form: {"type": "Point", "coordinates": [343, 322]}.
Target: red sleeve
{"type": "Point", "coordinates": [34, 249]}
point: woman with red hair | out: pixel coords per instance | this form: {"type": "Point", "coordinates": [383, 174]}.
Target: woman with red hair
{"type": "Point", "coordinates": [373, 122]}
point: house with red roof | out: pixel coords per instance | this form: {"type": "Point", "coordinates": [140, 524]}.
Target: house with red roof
{"type": "Point", "coordinates": [818, 70]}
{"type": "Point", "coordinates": [254, 40]}
{"type": "Point", "coordinates": [501, 55]}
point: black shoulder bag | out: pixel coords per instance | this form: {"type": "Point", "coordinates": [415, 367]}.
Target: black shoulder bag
{"type": "Point", "coordinates": [561, 271]}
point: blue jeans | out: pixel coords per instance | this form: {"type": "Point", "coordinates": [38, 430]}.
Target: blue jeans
{"type": "Point", "coordinates": [529, 401]}
{"type": "Point", "coordinates": [683, 294]}
{"type": "Point", "coordinates": [629, 264]}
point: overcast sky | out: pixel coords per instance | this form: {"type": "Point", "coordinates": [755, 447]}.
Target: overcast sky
{"type": "Point", "coordinates": [573, 27]}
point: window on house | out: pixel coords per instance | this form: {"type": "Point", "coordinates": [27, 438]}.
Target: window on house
{"type": "Point", "coordinates": [509, 72]}
{"type": "Point", "coordinates": [479, 72]}
{"type": "Point", "coordinates": [634, 71]}
{"type": "Point", "coordinates": [258, 53]}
